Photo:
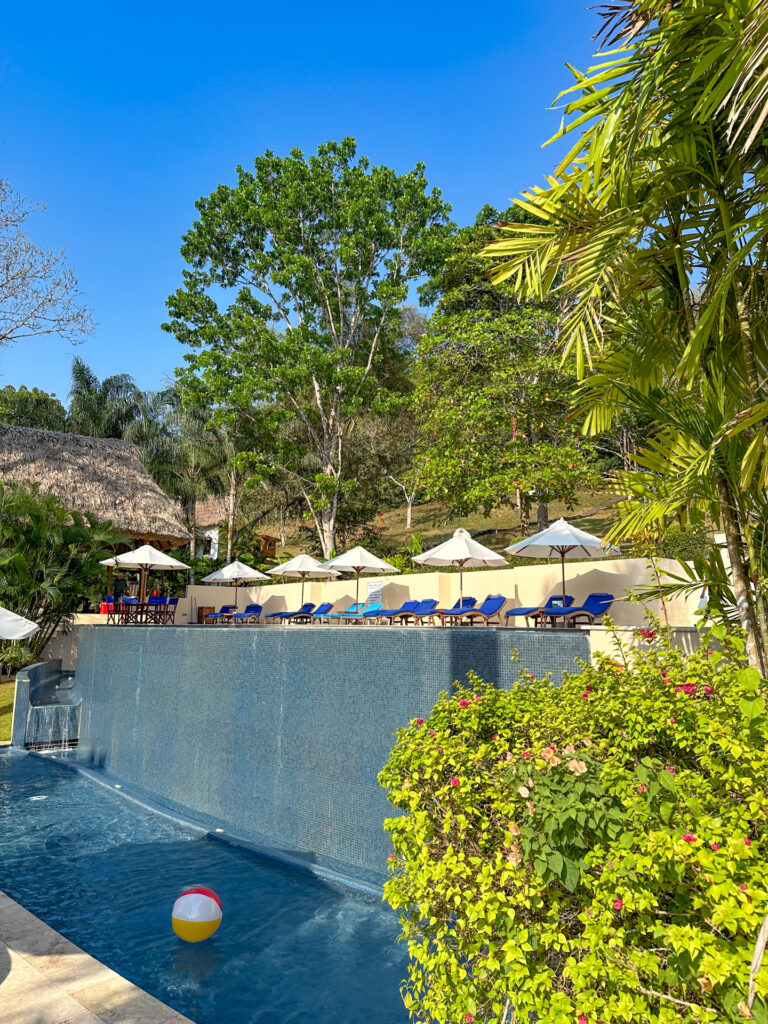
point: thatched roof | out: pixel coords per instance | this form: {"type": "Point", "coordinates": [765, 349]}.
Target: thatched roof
{"type": "Point", "coordinates": [92, 474]}
{"type": "Point", "coordinates": [212, 511]}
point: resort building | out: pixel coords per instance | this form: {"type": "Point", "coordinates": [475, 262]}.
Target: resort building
{"type": "Point", "coordinates": [101, 476]}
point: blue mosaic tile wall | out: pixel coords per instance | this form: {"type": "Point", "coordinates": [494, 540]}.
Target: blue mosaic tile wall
{"type": "Point", "coordinates": [277, 734]}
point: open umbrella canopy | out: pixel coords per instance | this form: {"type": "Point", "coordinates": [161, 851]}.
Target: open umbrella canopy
{"type": "Point", "coordinates": [144, 558]}
{"type": "Point", "coordinates": [15, 627]}
{"type": "Point", "coordinates": [237, 573]}
{"type": "Point", "coordinates": [358, 560]}
{"type": "Point", "coordinates": [462, 551]}
{"type": "Point", "coordinates": [303, 567]}
{"type": "Point", "coordinates": [562, 540]}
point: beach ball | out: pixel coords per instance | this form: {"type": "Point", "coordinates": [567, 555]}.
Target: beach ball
{"type": "Point", "coordinates": [196, 914]}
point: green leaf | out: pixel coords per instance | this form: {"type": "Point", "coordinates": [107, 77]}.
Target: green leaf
{"type": "Point", "coordinates": [752, 709]}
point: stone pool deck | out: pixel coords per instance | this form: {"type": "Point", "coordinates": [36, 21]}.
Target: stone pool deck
{"type": "Point", "coordinates": [46, 979]}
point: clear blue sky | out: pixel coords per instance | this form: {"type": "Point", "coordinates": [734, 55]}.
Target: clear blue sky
{"type": "Point", "coordinates": [120, 117]}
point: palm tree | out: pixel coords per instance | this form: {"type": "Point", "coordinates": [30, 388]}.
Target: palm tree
{"type": "Point", "coordinates": [653, 199]}
{"type": "Point", "coordinates": [101, 408]}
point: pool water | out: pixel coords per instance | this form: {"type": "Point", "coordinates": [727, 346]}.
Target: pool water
{"type": "Point", "coordinates": [291, 949]}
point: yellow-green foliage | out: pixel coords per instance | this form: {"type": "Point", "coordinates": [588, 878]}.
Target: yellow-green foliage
{"type": "Point", "coordinates": [587, 853]}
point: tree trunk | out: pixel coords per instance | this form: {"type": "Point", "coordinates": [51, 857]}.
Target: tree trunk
{"type": "Point", "coordinates": [409, 511]}
{"type": "Point", "coordinates": [231, 514]}
{"type": "Point", "coordinates": [326, 530]}
{"type": "Point", "coordinates": [525, 515]}
{"type": "Point", "coordinates": [542, 515]}
{"type": "Point", "coordinates": [283, 523]}
{"type": "Point", "coordinates": [741, 587]}
{"type": "Point", "coordinates": [191, 509]}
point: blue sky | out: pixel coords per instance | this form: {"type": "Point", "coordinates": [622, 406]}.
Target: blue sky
{"type": "Point", "coordinates": [120, 117]}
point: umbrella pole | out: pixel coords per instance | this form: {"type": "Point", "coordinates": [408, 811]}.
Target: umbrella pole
{"type": "Point", "coordinates": [303, 577]}
{"type": "Point", "coordinates": [461, 582]}
{"type": "Point", "coordinates": [357, 590]}
{"type": "Point", "coordinates": [562, 563]}
{"type": "Point", "coordinates": [143, 585]}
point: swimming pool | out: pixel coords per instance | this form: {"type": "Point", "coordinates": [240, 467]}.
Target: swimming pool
{"type": "Point", "coordinates": [292, 948]}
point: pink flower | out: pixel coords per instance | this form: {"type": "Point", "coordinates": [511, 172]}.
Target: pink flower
{"type": "Point", "coordinates": [433, 734]}
{"type": "Point", "coordinates": [463, 703]}
{"type": "Point", "coordinates": [715, 846]}
{"type": "Point", "coordinates": [663, 674]}
{"type": "Point", "coordinates": [641, 788]}
{"type": "Point", "coordinates": [648, 634]}
{"type": "Point", "coordinates": [454, 781]}
{"type": "Point", "coordinates": [710, 652]}
{"type": "Point", "coordinates": [585, 696]}
{"type": "Point", "coordinates": [439, 750]}
{"type": "Point", "coordinates": [526, 753]}
{"type": "Point", "coordinates": [618, 903]}
{"type": "Point", "coordinates": [419, 721]}
{"type": "Point", "coordinates": [469, 1017]}
{"type": "Point", "coordinates": [743, 888]}
{"type": "Point", "coordinates": [495, 736]}
{"type": "Point", "coordinates": [708, 691]}
{"type": "Point", "coordinates": [689, 837]}
{"type": "Point", "coordinates": [672, 721]}
{"type": "Point", "coordinates": [582, 1019]}
{"type": "Point", "coordinates": [552, 746]}
{"type": "Point", "coordinates": [689, 688]}
{"type": "Point", "coordinates": [478, 700]}
{"type": "Point", "coordinates": [747, 842]}
{"type": "Point", "coordinates": [391, 856]}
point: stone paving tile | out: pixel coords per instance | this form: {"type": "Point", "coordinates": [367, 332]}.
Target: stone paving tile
{"type": "Point", "coordinates": [46, 979]}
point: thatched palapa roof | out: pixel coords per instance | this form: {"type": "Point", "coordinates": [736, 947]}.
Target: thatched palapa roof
{"type": "Point", "coordinates": [101, 476]}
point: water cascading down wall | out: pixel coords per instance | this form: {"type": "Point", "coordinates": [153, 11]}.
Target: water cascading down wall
{"type": "Point", "coordinates": [276, 735]}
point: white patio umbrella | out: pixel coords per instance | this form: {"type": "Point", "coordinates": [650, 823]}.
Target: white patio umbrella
{"type": "Point", "coordinates": [305, 567]}
{"type": "Point", "coordinates": [563, 540]}
{"type": "Point", "coordinates": [461, 550]}
{"type": "Point", "coordinates": [15, 627]}
{"type": "Point", "coordinates": [144, 558]}
{"type": "Point", "coordinates": [237, 573]}
{"type": "Point", "coordinates": [358, 560]}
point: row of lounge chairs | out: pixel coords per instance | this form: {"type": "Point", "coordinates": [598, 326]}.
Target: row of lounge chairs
{"type": "Point", "coordinates": [556, 611]}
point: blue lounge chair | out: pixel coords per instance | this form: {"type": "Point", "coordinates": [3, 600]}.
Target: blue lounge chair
{"type": "Point", "coordinates": [426, 607]}
{"type": "Point", "coordinates": [170, 610]}
{"type": "Point", "coordinates": [316, 616]}
{"type": "Point", "coordinates": [538, 613]}
{"type": "Point", "coordinates": [225, 612]}
{"type": "Point", "coordinates": [305, 609]}
{"type": "Point", "coordinates": [389, 613]}
{"type": "Point", "coordinates": [368, 614]}
{"type": "Point", "coordinates": [594, 608]}
{"type": "Point", "coordinates": [490, 607]}
{"type": "Point", "coordinates": [354, 609]}
{"type": "Point", "coordinates": [462, 605]}
{"type": "Point", "coordinates": [252, 613]}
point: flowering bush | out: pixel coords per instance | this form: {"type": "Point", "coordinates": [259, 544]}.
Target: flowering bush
{"type": "Point", "coordinates": [587, 853]}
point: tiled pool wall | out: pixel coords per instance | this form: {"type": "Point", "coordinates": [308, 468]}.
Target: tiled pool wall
{"type": "Point", "coordinates": [277, 734]}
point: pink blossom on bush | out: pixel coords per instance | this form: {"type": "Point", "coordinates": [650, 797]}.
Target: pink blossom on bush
{"type": "Point", "coordinates": [495, 736]}
{"type": "Point", "coordinates": [585, 696]}
{"type": "Point", "coordinates": [715, 846]}
{"type": "Point", "coordinates": [641, 788]}
{"type": "Point", "coordinates": [469, 1017]}
{"type": "Point", "coordinates": [708, 690]}
{"type": "Point", "coordinates": [526, 753]}
{"type": "Point", "coordinates": [454, 781]}
{"type": "Point", "coordinates": [648, 634]}
{"type": "Point", "coordinates": [689, 837]}
{"type": "Point", "coordinates": [747, 841]}
{"type": "Point", "coordinates": [391, 856]}
{"type": "Point", "coordinates": [463, 703]}
{"type": "Point", "coordinates": [582, 1019]}
{"type": "Point", "coordinates": [672, 721]}
{"type": "Point", "coordinates": [618, 903]}
{"type": "Point", "coordinates": [419, 721]}
{"type": "Point", "coordinates": [743, 887]}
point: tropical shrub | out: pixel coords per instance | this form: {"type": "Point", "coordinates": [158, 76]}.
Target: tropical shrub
{"type": "Point", "coordinates": [49, 564]}
{"type": "Point", "coordinates": [586, 853]}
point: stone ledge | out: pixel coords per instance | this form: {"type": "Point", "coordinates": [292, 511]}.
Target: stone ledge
{"type": "Point", "coordinates": [46, 979]}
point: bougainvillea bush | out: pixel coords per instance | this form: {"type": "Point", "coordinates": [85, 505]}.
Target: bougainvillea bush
{"type": "Point", "coordinates": [586, 853]}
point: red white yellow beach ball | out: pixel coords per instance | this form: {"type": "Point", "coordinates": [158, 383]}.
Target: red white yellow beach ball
{"type": "Point", "coordinates": [196, 914]}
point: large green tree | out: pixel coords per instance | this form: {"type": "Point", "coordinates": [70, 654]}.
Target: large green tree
{"type": "Point", "coordinates": [101, 408]}
{"type": "Point", "coordinates": [493, 396]}
{"type": "Point", "coordinates": [30, 407]}
{"type": "Point", "coordinates": [292, 301]}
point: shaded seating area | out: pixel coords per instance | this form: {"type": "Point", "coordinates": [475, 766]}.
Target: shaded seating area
{"type": "Point", "coordinates": [129, 611]}
{"type": "Point", "coordinates": [305, 609]}
{"type": "Point", "coordinates": [594, 608]}
{"type": "Point", "coordinates": [223, 614]}
{"type": "Point", "coordinates": [423, 609]}
{"type": "Point", "coordinates": [539, 612]}
{"type": "Point", "coordinates": [320, 613]}
{"type": "Point", "coordinates": [462, 605]}
{"type": "Point", "coordinates": [488, 610]}
{"type": "Point", "coordinates": [252, 613]}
